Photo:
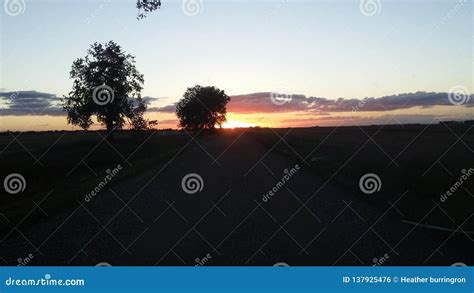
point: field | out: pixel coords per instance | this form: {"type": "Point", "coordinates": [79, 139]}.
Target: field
{"type": "Point", "coordinates": [424, 161]}
{"type": "Point", "coordinates": [320, 215]}
{"type": "Point", "coordinates": [69, 163]}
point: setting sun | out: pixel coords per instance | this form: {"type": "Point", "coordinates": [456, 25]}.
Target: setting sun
{"type": "Point", "coordinates": [236, 124]}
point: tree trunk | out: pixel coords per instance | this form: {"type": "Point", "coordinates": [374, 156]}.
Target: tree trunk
{"type": "Point", "coordinates": [110, 130]}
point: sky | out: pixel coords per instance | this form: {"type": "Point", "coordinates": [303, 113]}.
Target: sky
{"type": "Point", "coordinates": [320, 59]}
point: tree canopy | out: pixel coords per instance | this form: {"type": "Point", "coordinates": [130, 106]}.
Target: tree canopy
{"type": "Point", "coordinates": [108, 85]}
{"type": "Point", "coordinates": [202, 108]}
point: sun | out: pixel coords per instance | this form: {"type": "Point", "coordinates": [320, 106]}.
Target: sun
{"type": "Point", "coordinates": [236, 124]}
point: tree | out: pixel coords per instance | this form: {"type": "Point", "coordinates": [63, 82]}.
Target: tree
{"type": "Point", "coordinates": [106, 84]}
{"type": "Point", "coordinates": [202, 107]}
{"type": "Point", "coordinates": [147, 6]}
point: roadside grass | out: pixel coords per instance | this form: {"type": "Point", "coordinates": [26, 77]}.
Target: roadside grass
{"type": "Point", "coordinates": [424, 161]}
{"type": "Point", "coordinates": [64, 166]}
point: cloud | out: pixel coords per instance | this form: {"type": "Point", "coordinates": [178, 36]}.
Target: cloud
{"type": "Point", "coordinates": [166, 109]}
{"type": "Point", "coordinates": [38, 103]}
{"type": "Point", "coordinates": [148, 100]}
{"type": "Point", "coordinates": [386, 103]}
{"type": "Point", "coordinates": [262, 103]}
{"type": "Point", "coordinates": [22, 103]}
{"type": "Point", "coordinates": [252, 103]}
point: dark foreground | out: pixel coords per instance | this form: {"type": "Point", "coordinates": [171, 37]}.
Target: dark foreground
{"type": "Point", "coordinates": [226, 215]}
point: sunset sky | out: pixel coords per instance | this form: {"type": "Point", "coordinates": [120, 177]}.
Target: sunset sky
{"type": "Point", "coordinates": [323, 57]}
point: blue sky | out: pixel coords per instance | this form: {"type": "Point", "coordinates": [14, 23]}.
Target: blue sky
{"type": "Point", "coordinates": [315, 48]}
{"type": "Point", "coordinates": [311, 47]}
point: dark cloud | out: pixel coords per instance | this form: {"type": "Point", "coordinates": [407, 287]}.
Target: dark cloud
{"type": "Point", "coordinates": [22, 103]}
{"type": "Point", "coordinates": [166, 109]}
{"type": "Point", "coordinates": [38, 103]}
{"type": "Point", "coordinates": [148, 100]}
{"type": "Point", "coordinates": [262, 103]}
{"type": "Point", "coordinates": [252, 103]}
{"type": "Point", "coordinates": [386, 103]}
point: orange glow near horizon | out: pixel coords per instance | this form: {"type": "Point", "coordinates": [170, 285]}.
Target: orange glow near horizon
{"type": "Point", "coordinates": [272, 120]}
{"type": "Point", "coordinates": [236, 124]}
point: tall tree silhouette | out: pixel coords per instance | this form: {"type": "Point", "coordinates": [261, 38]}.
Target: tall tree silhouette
{"type": "Point", "coordinates": [106, 84]}
{"type": "Point", "coordinates": [147, 6]}
{"type": "Point", "coordinates": [202, 107]}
